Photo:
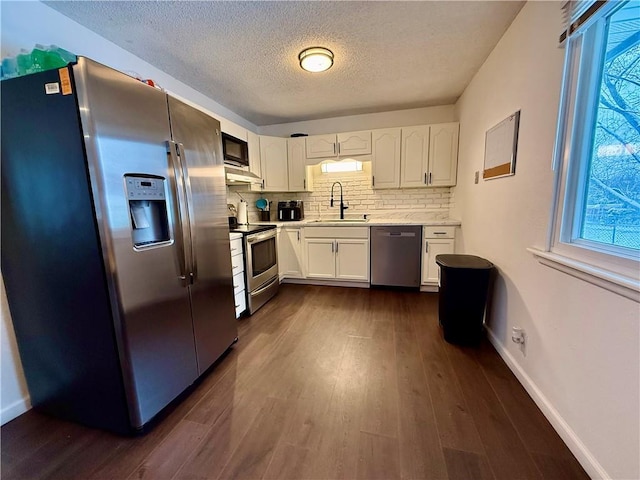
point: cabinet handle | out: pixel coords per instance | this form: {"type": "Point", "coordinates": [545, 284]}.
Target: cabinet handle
{"type": "Point", "coordinates": [439, 233]}
{"type": "Point", "coordinates": [334, 148]}
{"type": "Point", "coordinates": [430, 182]}
{"type": "Point", "coordinates": [426, 247]}
{"type": "Point", "coordinates": [298, 235]}
{"type": "Point", "coordinates": [337, 246]}
{"type": "Point", "coordinates": [373, 181]}
{"type": "Point", "coordinates": [263, 184]}
{"type": "Point", "coordinates": [304, 183]}
{"type": "Point", "coordinates": [338, 149]}
{"type": "Point", "coordinates": [425, 178]}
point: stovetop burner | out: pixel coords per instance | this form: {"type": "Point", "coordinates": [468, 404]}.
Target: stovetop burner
{"type": "Point", "coordinates": [249, 229]}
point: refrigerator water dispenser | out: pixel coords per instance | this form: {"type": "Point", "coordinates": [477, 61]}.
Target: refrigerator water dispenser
{"type": "Point", "coordinates": [148, 210]}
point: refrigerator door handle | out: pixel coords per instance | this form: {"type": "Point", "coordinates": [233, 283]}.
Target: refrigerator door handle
{"type": "Point", "coordinates": [178, 192]}
{"type": "Point", "coordinates": [190, 214]}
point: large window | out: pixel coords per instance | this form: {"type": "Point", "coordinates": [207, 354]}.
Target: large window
{"type": "Point", "coordinates": [597, 218]}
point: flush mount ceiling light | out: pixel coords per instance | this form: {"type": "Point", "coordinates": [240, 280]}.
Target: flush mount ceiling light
{"type": "Point", "coordinates": [316, 59]}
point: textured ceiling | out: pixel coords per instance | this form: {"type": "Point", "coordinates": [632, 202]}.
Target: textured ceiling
{"type": "Point", "coordinates": [388, 55]}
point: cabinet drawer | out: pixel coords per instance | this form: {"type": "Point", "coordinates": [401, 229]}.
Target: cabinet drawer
{"type": "Point", "coordinates": [236, 246]}
{"type": "Point", "coordinates": [237, 264]}
{"type": "Point", "coordinates": [241, 302]}
{"type": "Point", "coordinates": [336, 232]}
{"type": "Point", "coordinates": [439, 232]}
{"type": "Point", "coordinates": [238, 282]}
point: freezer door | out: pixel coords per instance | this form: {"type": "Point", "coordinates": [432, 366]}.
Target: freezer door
{"type": "Point", "coordinates": [126, 129]}
{"type": "Point", "coordinates": [197, 138]}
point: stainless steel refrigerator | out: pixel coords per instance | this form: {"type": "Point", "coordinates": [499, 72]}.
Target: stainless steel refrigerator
{"type": "Point", "coordinates": [115, 245]}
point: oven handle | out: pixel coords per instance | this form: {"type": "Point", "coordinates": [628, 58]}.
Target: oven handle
{"type": "Point", "coordinates": [268, 285]}
{"type": "Point", "coordinates": [260, 237]}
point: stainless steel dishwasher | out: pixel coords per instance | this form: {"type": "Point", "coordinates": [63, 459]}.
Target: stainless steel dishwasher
{"type": "Point", "coordinates": [395, 256]}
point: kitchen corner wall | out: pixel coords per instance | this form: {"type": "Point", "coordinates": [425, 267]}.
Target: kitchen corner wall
{"type": "Point", "coordinates": [423, 203]}
{"type": "Point", "coordinates": [581, 360]}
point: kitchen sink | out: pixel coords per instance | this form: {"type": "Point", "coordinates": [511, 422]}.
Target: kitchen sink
{"type": "Point", "coordinates": [339, 220]}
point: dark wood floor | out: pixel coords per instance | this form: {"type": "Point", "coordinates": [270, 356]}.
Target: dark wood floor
{"type": "Point", "coordinates": [324, 383]}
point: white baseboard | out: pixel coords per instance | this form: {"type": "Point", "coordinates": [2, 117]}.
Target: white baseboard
{"type": "Point", "coordinates": [14, 410]}
{"type": "Point", "coordinates": [326, 283]}
{"type": "Point", "coordinates": [581, 452]}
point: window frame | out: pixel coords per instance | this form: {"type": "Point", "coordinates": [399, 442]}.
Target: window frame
{"type": "Point", "coordinates": [585, 49]}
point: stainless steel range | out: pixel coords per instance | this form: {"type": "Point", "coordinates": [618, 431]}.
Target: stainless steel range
{"type": "Point", "coordinates": [261, 263]}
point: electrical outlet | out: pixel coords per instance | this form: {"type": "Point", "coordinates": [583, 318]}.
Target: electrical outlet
{"type": "Point", "coordinates": [517, 335]}
{"type": "Point", "coordinates": [477, 178]}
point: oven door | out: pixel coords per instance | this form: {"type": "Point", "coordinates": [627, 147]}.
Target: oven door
{"type": "Point", "coordinates": [262, 258]}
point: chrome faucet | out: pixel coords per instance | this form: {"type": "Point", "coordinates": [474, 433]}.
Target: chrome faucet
{"type": "Point", "coordinates": [342, 206]}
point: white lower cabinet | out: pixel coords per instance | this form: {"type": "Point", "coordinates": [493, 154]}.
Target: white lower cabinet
{"type": "Point", "coordinates": [337, 253]}
{"type": "Point", "coordinates": [352, 259]}
{"type": "Point", "coordinates": [290, 252]}
{"type": "Point", "coordinates": [436, 240]}
{"type": "Point", "coordinates": [321, 257]}
{"type": "Point", "coordinates": [237, 270]}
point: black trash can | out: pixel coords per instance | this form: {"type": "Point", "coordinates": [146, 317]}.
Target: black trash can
{"type": "Point", "coordinates": [464, 285]}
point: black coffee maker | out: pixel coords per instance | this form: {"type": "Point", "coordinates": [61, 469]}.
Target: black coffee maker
{"type": "Point", "coordinates": [233, 215]}
{"type": "Point", "coordinates": [291, 210]}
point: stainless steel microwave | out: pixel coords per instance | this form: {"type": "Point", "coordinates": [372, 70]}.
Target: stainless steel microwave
{"type": "Point", "coordinates": [235, 151]}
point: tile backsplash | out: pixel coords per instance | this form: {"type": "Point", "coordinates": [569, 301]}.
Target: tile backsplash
{"type": "Point", "coordinates": [431, 203]}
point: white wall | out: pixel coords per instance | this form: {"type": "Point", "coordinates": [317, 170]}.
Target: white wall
{"type": "Point", "coordinates": [14, 395]}
{"type": "Point", "coordinates": [369, 121]}
{"type": "Point", "coordinates": [582, 355]}
{"type": "Point", "coordinates": [23, 24]}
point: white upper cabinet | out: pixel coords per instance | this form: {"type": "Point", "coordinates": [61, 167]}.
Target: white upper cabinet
{"type": "Point", "coordinates": [321, 146]}
{"type": "Point", "coordinates": [283, 165]}
{"type": "Point", "coordinates": [414, 156]}
{"type": "Point", "coordinates": [342, 144]}
{"type": "Point", "coordinates": [297, 164]}
{"type": "Point", "coordinates": [253, 140]}
{"type": "Point", "coordinates": [354, 143]}
{"type": "Point", "coordinates": [443, 154]}
{"type": "Point", "coordinates": [385, 158]}
{"type": "Point", "coordinates": [274, 164]}
{"type": "Point", "coordinates": [233, 129]}
{"type": "Point", "coordinates": [427, 157]}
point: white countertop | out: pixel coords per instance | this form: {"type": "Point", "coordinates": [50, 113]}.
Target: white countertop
{"type": "Point", "coordinates": [313, 222]}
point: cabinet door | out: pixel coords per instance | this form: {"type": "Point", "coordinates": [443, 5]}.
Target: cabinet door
{"type": "Point", "coordinates": [253, 140]}
{"type": "Point", "coordinates": [414, 157]}
{"type": "Point", "coordinates": [443, 154]}
{"type": "Point", "coordinates": [274, 165]}
{"type": "Point", "coordinates": [296, 165]}
{"type": "Point", "coordinates": [385, 158]}
{"type": "Point", "coordinates": [254, 153]}
{"type": "Point", "coordinates": [289, 253]}
{"type": "Point", "coordinates": [431, 248]}
{"type": "Point", "coordinates": [352, 260]}
{"type": "Point", "coordinates": [354, 143]}
{"type": "Point", "coordinates": [321, 146]}
{"type": "Point", "coordinates": [320, 257]}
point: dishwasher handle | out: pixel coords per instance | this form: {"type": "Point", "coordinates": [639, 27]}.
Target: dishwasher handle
{"type": "Point", "coordinates": [396, 234]}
